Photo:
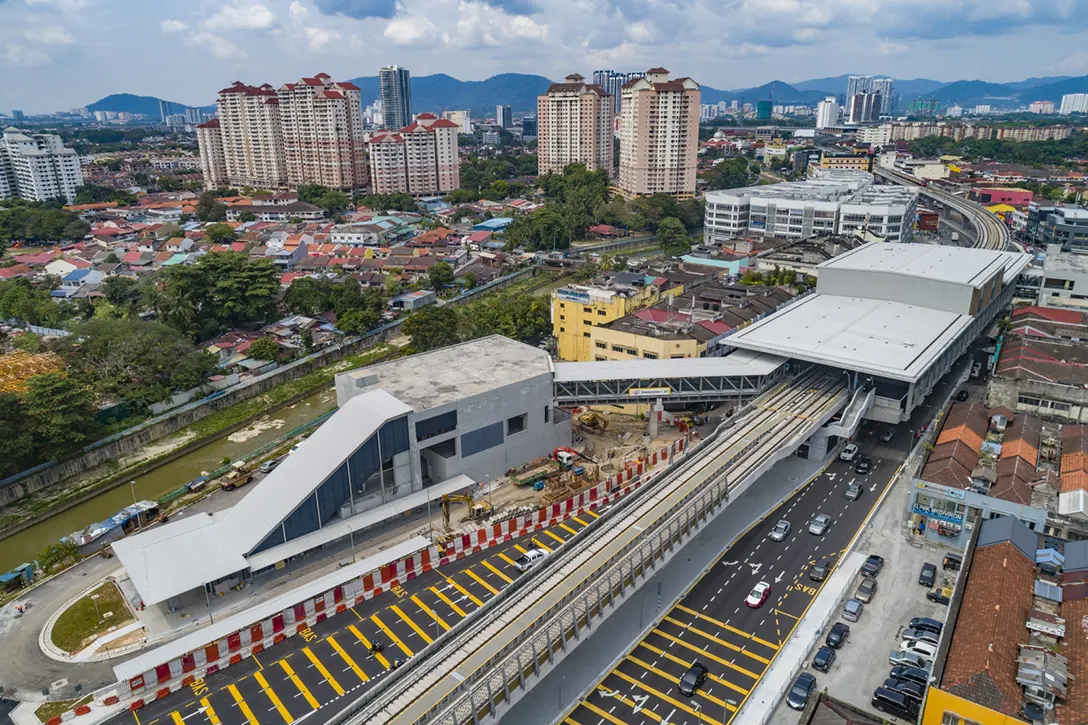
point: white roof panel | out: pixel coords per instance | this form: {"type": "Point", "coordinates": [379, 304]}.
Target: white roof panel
{"type": "Point", "coordinates": [961, 265]}
{"type": "Point", "coordinates": [890, 339]}
{"type": "Point", "coordinates": [740, 363]}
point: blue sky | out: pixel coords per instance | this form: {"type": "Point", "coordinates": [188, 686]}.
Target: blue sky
{"type": "Point", "coordinates": [56, 54]}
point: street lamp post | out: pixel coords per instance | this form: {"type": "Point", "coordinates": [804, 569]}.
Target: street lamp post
{"type": "Point", "coordinates": [132, 487]}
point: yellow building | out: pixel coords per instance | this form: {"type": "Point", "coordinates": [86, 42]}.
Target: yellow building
{"type": "Point", "coordinates": [944, 708]}
{"type": "Point", "coordinates": [853, 162]}
{"type": "Point", "coordinates": [578, 309]}
{"type": "Point", "coordinates": [622, 341]}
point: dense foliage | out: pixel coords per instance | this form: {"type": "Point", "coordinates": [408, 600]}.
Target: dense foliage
{"type": "Point", "coordinates": [517, 316]}
{"type": "Point", "coordinates": [1067, 152]}
{"type": "Point", "coordinates": [36, 222]}
{"type": "Point", "coordinates": [21, 300]}
{"type": "Point", "coordinates": [51, 419]}
{"type": "Point", "coordinates": [97, 194]}
{"type": "Point", "coordinates": [732, 173]}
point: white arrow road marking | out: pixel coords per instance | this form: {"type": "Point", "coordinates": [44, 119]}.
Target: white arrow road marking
{"type": "Point", "coordinates": [831, 475]}
{"type": "Point", "coordinates": [873, 487]}
{"type": "Point", "coordinates": [640, 701]}
{"type": "Point", "coordinates": [779, 577]}
{"type": "Point", "coordinates": [608, 693]}
{"type": "Point", "coordinates": [667, 720]}
{"type": "Point", "coordinates": [756, 566]}
{"type": "Point", "coordinates": [730, 563]}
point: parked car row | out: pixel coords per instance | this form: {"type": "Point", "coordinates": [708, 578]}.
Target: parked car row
{"type": "Point", "coordinates": [902, 692]}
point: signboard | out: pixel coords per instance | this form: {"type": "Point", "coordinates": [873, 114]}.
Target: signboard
{"type": "Point", "coordinates": [649, 392]}
{"type": "Point", "coordinates": [929, 512]}
{"type": "Point", "coordinates": [942, 491]}
{"type": "Point", "coordinates": [572, 296]}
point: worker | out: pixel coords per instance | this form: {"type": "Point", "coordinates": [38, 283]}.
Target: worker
{"type": "Point", "coordinates": [396, 664]}
{"type": "Point", "coordinates": [376, 648]}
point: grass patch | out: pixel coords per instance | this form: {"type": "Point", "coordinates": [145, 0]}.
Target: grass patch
{"type": "Point", "coordinates": [50, 710]}
{"type": "Point", "coordinates": [81, 621]}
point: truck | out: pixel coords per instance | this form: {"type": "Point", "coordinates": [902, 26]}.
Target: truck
{"type": "Point", "coordinates": [237, 477]}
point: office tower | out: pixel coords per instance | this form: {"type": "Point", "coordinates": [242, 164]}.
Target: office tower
{"type": "Point", "coordinates": [503, 117]}
{"type": "Point", "coordinates": [463, 119]}
{"type": "Point", "coordinates": [322, 123]}
{"type": "Point", "coordinates": [420, 159]}
{"type": "Point", "coordinates": [528, 128]}
{"type": "Point", "coordinates": [858, 84]}
{"type": "Point", "coordinates": [763, 110]}
{"type": "Point", "coordinates": [574, 125]}
{"type": "Point", "coordinates": [213, 164]}
{"type": "Point", "coordinates": [659, 135]}
{"type": "Point", "coordinates": [396, 90]}
{"type": "Point", "coordinates": [883, 86]}
{"type": "Point", "coordinates": [38, 167]}
{"type": "Point", "coordinates": [827, 113]}
{"type": "Point", "coordinates": [17, 115]}
{"type": "Point", "coordinates": [1074, 103]}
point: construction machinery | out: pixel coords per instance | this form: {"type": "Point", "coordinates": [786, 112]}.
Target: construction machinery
{"type": "Point", "coordinates": [478, 510]}
{"type": "Point", "coordinates": [237, 477]}
{"type": "Point", "coordinates": [593, 422]}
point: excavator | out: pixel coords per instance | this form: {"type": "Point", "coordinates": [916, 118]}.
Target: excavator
{"type": "Point", "coordinates": [477, 509]}
{"type": "Point", "coordinates": [593, 421]}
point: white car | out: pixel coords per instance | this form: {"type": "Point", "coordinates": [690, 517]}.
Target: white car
{"type": "Point", "coordinates": [909, 659]}
{"type": "Point", "coordinates": [919, 647]}
{"type": "Point", "coordinates": [848, 453]}
{"type": "Point", "coordinates": [758, 595]}
{"type": "Point", "coordinates": [529, 559]}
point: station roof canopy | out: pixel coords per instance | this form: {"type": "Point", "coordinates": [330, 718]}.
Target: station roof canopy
{"type": "Point", "coordinates": [877, 337]}
{"type": "Point", "coordinates": [740, 363]}
{"type": "Point", "coordinates": [960, 265]}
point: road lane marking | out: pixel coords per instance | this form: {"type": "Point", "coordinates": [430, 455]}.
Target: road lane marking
{"type": "Point", "coordinates": [506, 558]}
{"type": "Point", "coordinates": [176, 717]}
{"type": "Point", "coordinates": [301, 687]}
{"type": "Point", "coordinates": [479, 580]}
{"type": "Point", "coordinates": [276, 703]}
{"type": "Point", "coordinates": [676, 681]}
{"type": "Point", "coordinates": [136, 716]}
{"type": "Point", "coordinates": [593, 514]}
{"type": "Point", "coordinates": [606, 715]}
{"type": "Point", "coordinates": [347, 659]}
{"type": "Point", "coordinates": [636, 707]}
{"type": "Point", "coordinates": [723, 625]}
{"type": "Point", "coordinates": [496, 572]}
{"type": "Point", "coordinates": [707, 635]}
{"type": "Point", "coordinates": [465, 592]}
{"type": "Point", "coordinates": [460, 612]}
{"type": "Point", "coordinates": [568, 529]}
{"type": "Point", "coordinates": [430, 612]}
{"type": "Point", "coordinates": [662, 696]}
{"type": "Point", "coordinates": [583, 523]}
{"type": "Point", "coordinates": [323, 670]}
{"type": "Point", "coordinates": [684, 663]}
{"type": "Point", "coordinates": [366, 643]}
{"type": "Point", "coordinates": [704, 653]}
{"type": "Point", "coordinates": [242, 705]}
{"type": "Point", "coordinates": [209, 711]}
{"type": "Point", "coordinates": [408, 620]}
{"type": "Point", "coordinates": [521, 548]}
{"type": "Point", "coordinates": [389, 633]}
{"type": "Point", "coordinates": [542, 546]}
{"type": "Point", "coordinates": [555, 536]}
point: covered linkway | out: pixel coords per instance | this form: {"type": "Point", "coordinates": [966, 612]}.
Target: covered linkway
{"type": "Point", "coordinates": [690, 380]}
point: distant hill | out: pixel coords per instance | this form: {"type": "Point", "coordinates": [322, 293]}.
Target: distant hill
{"type": "Point", "coordinates": [1055, 91]}
{"type": "Point", "coordinates": [969, 93]}
{"type": "Point", "coordinates": [783, 93]}
{"type": "Point", "coordinates": [1029, 83]}
{"type": "Point", "coordinates": [129, 103]}
{"type": "Point", "coordinates": [441, 92]}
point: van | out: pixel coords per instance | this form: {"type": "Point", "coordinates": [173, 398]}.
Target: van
{"type": "Point", "coordinates": [529, 559]}
{"type": "Point", "coordinates": [894, 703]}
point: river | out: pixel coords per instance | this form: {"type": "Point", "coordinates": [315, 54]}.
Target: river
{"type": "Point", "coordinates": [28, 543]}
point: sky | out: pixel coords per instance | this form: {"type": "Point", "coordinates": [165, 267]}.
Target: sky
{"type": "Point", "coordinates": [59, 54]}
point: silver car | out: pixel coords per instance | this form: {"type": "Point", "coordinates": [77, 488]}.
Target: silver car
{"type": "Point", "coordinates": [820, 525]}
{"type": "Point", "coordinates": [909, 659]}
{"type": "Point", "coordinates": [851, 611]}
{"type": "Point", "coordinates": [866, 590]}
{"type": "Point", "coordinates": [780, 531]}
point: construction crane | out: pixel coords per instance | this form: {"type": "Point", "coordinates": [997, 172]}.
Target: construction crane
{"type": "Point", "coordinates": [477, 510]}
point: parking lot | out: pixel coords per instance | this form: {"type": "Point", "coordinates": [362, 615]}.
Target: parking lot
{"type": "Point", "coordinates": [861, 665]}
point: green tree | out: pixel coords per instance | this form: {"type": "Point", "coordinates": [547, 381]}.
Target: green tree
{"type": "Point", "coordinates": [308, 296]}
{"type": "Point", "coordinates": [247, 216]}
{"type": "Point", "coordinates": [440, 276]}
{"type": "Point", "coordinates": [357, 321]}
{"type": "Point", "coordinates": [334, 202]}
{"type": "Point", "coordinates": [168, 183]}
{"type": "Point", "coordinates": [312, 193]}
{"type": "Point", "coordinates": [264, 348]}
{"type": "Point", "coordinates": [307, 337]}
{"type": "Point", "coordinates": [18, 449]}
{"type": "Point", "coordinates": [210, 210]}
{"type": "Point", "coordinates": [387, 202]}
{"type": "Point", "coordinates": [432, 327]}
{"type": "Point", "coordinates": [123, 293]}
{"type": "Point", "coordinates": [219, 233]}
{"type": "Point", "coordinates": [673, 237]}
{"type": "Point", "coordinates": [618, 263]}
{"type": "Point", "coordinates": [59, 414]}
{"type": "Point", "coordinates": [221, 290]}
{"type": "Point", "coordinates": [469, 279]}
{"type": "Point", "coordinates": [38, 222]}
{"type": "Point", "coordinates": [586, 271]}
{"type": "Point", "coordinates": [732, 173]}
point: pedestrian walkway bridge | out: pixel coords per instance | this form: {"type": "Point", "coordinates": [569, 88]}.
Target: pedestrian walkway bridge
{"type": "Point", "coordinates": [691, 380]}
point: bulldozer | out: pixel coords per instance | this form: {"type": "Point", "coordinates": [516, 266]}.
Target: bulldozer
{"type": "Point", "coordinates": [477, 510]}
{"type": "Point", "coordinates": [593, 421]}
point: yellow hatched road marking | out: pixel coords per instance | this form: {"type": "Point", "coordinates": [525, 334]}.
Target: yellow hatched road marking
{"type": "Point", "coordinates": [725, 626]}
{"type": "Point", "coordinates": [568, 529]}
{"type": "Point", "coordinates": [209, 711]}
{"type": "Point", "coordinates": [555, 536]}
{"type": "Point", "coordinates": [476, 578]}
{"type": "Point", "coordinates": [630, 703]}
{"type": "Point", "coordinates": [347, 659]}
{"type": "Point", "coordinates": [583, 523]}
{"type": "Point", "coordinates": [323, 670]}
{"type": "Point", "coordinates": [594, 514]}
{"type": "Point", "coordinates": [662, 696]}
{"type": "Point", "coordinates": [606, 715]}
{"type": "Point", "coordinates": [677, 660]}
{"type": "Point", "coordinates": [408, 620]}
{"type": "Point", "coordinates": [537, 542]}
{"type": "Point", "coordinates": [366, 643]}
{"type": "Point", "coordinates": [496, 572]}
{"type": "Point", "coordinates": [506, 558]}
{"type": "Point", "coordinates": [676, 681]}
{"type": "Point", "coordinates": [464, 592]}
{"type": "Point", "coordinates": [176, 717]}
{"type": "Point", "coordinates": [430, 612]}
{"type": "Point", "coordinates": [390, 635]}
{"type": "Point", "coordinates": [301, 687]}
{"type": "Point", "coordinates": [704, 653]}
{"type": "Point", "coordinates": [786, 614]}
{"type": "Point", "coordinates": [242, 705]}
{"type": "Point", "coordinates": [572, 721]}
{"type": "Point", "coordinates": [276, 703]}
{"type": "Point", "coordinates": [521, 548]}
{"type": "Point", "coordinates": [449, 602]}
{"type": "Point", "coordinates": [707, 635]}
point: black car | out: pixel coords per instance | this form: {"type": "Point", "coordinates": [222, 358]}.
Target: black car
{"type": "Point", "coordinates": [926, 624]}
{"type": "Point", "coordinates": [962, 396]}
{"type": "Point", "coordinates": [872, 565]}
{"type": "Point", "coordinates": [693, 679]}
{"type": "Point", "coordinates": [837, 635]}
{"type": "Point", "coordinates": [802, 689]}
{"type": "Point", "coordinates": [863, 465]}
{"type": "Point", "coordinates": [825, 657]}
{"type": "Point", "coordinates": [908, 687]}
{"type": "Point", "coordinates": [820, 570]}
{"type": "Point", "coordinates": [928, 575]}
{"type": "Point", "coordinates": [914, 674]}
{"type": "Point", "coordinates": [895, 703]}
{"type": "Point", "coordinates": [940, 595]}
{"type": "Point", "coordinates": [952, 561]}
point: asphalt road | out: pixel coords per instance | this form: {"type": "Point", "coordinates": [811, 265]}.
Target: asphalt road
{"type": "Point", "coordinates": [326, 668]}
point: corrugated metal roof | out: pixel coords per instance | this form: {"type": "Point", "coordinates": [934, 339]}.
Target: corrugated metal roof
{"type": "Point", "coordinates": [1011, 529]}
{"type": "Point", "coordinates": [1046, 590]}
{"type": "Point", "coordinates": [739, 363]}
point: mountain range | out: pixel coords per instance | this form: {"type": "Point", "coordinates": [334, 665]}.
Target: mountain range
{"type": "Point", "coordinates": [442, 92]}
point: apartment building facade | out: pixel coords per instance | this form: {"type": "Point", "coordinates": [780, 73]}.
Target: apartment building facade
{"type": "Point", "coordinates": [574, 125]}
{"type": "Point", "coordinates": [323, 133]}
{"type": "Point", "coordinates": [213, 164]}
{"type": "Point", "coordinates": [38, 167]}
{"type": "Point", "coordinates": [420, 159]}
{"type": "Point", "coordinates": [252, 136]}
{"type": "Point", "coordinates": [659, 136]}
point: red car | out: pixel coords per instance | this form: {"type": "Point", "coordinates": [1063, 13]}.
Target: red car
{"type": "Point", "coordinates": [759, 595]}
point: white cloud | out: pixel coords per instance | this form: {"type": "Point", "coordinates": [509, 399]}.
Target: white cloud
{"type": "Point", "coordinates": [25, 56]}
{"type": "Point", "coordinates": [298, 12]}
{"type": "Point", "coordinates": [319, 38]}
{"type": "Point", "coordinates": [173, 26]}
{"type": "Point", "coordinates": [890, 48]}
{"type": "Point", "coordinates": [412, 30]}
{"type": "Point", "coordinates": [217, 46]}
{"type": "Point", "coordinates": [49, 35]}
{"type": "Point", "coordinates": [242, 15]}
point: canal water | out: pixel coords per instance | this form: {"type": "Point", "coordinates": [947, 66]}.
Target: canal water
{"type": "Point", "coordinates": [28, 543]}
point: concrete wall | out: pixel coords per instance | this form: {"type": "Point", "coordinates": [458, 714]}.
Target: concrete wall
{"type": "Point", "coordinates": [1063, 402]}
{"type": "Point", "coordinates": [876, 285]}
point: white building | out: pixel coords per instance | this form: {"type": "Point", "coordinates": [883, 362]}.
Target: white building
{"type": "Point", "coordinates": [1044, 107]}
{"type": "Point", "coordinates": [213, 164]}
{"type": "Point", "coordinates": [504, 118]}
{"type": "Point", "coordinates": [876, 135]}
{"type": "Point", "coordinates": [827, 113]}
{"type": "Point", "coordinates": [38, 167]}
{"type": "Point", "coordinates": [462, 118]}
{"type": "Point", "coordinates": [834, 202]}
{"type": "Point", "coordinates": [1074, 103]}
{"type": "Point", "coordinates": [421, 159]}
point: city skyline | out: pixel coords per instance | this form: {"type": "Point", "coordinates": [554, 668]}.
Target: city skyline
{"type": "Point", "coordinates": [53, 55]}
